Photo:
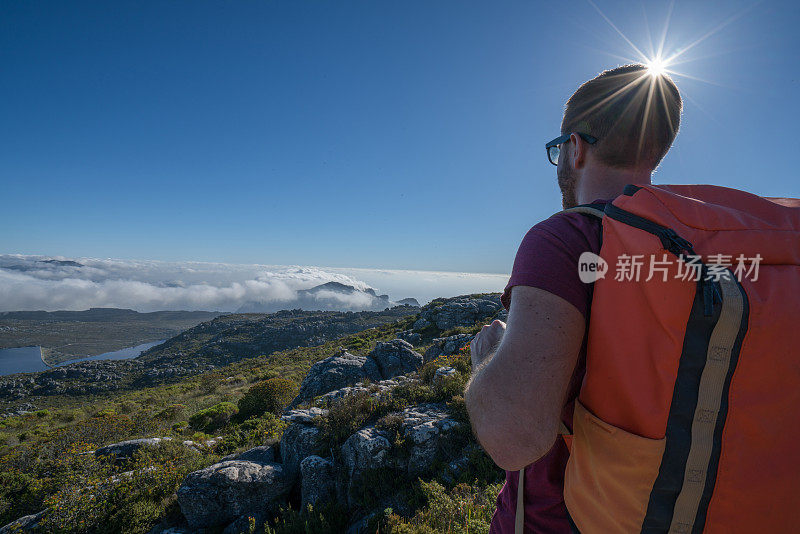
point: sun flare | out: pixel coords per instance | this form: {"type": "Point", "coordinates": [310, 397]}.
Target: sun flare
{"type": "Point", "coordinates": [656, 67]}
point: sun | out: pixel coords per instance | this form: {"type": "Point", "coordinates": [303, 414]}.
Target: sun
{"type": "Point", "coordinates": [656, 67]}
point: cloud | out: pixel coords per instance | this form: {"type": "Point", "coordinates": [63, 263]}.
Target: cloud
{"type": "Point", "coordinates": [58, 283]}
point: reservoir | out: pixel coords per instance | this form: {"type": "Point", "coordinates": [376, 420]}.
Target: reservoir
{"type": "Point", "coordinates": [29, 359]}
{"type": "Point", "coordinates": [21, 360]}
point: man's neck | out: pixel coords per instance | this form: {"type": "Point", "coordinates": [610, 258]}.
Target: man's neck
{"type": "Point", "coordinates": [607, 183]}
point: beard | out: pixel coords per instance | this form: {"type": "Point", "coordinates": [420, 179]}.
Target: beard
{"type": "Point", "coordinates": [567, 183]}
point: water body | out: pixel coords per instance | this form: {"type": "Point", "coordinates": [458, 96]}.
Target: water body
{"type": "Point", "coordinates": [122, 354]}
{"type": "Point", "coordinates": [21, 360]}
{"type": "Point", "coordinates": [29, 359]}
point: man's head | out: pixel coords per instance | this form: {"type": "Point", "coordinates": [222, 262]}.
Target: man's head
{"type": "Point", "coordinates": [634, 116]}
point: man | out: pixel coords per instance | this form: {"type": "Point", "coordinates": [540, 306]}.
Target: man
{"type": "Point", "coordinates": [616, 129]}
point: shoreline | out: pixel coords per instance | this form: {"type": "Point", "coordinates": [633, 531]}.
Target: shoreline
{"type": "Point", "coordinates": [41, 357]}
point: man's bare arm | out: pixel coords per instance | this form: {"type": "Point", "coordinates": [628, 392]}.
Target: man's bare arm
{"type": "Point", "coordinates": [515, 396]}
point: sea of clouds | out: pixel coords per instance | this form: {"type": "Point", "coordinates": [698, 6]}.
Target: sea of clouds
{"type": "Point", "coordinates": [60, 283]}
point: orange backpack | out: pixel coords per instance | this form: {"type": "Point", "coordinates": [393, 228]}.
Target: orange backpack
{"type": "Point", "coordinates": [687, 419]}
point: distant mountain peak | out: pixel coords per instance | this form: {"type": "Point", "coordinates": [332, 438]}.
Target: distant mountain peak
{"type": "Point", "coordinates": [345, 298]}
{"type": "Point", "coordinates": [331, 286]}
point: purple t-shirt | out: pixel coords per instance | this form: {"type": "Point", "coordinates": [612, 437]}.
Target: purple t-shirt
{"type": "Point", "coordinates": [548, 259]}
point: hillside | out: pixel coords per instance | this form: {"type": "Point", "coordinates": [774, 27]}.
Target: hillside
{"type": "Point", "coordinates": [231, 337]}
{"type": "Point", "coordinates": [209, 345]}
{"type": "Point", "coordinates": [67, 335]}
{"type": "Point", "coordinates": [376, 437]}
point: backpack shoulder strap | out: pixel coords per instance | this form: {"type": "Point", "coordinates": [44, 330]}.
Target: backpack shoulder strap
{"type": "Point", "coordinates": [595, 210]}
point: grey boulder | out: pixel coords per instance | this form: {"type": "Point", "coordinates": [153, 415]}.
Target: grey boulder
{"type": "Point", "coordinates": [336, 372]}
{"type": "Point", "coordinates": [23, 524]}
{"type": "Point", "coordinates": [395, 357]}
{"type": "Point", "coordinates": [219, 494]}
{"type": "Point", "coordinates": [262, 455]}
{"type": "Point", "coordinates": [298, 442]}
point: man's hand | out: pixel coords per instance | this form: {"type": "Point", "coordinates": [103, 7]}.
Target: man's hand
{"type": "Point", "coordinates": [486, 341]}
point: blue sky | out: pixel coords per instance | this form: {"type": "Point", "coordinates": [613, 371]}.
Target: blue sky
{"type": "Point", "coordinates": [392, 135]}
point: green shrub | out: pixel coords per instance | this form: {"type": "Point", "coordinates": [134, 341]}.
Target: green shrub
{"type": "Point", "coordinates": [346, 415]}
{"type": "Point", "coordinates": [181, 427]}
{"type": "Point", "coordinates": [214, 417]}
{"type": "Point", "coordinates": [209, 382]}
{"type": "Point", "coordinates": [11, 422]}
{"type": "Point", "coordinates": [463, 509]}
{"type": "Point", "coordinates": [42, 413]}
{"type": "Point", "coordinates": [104, 428]}
{"type": "Point", "coordinates": [127, 407]}
{"type": "Point", "coordinates": [67, 416]}
{"type": "Point", "coordinates": [263, 430]}
{"type": "Point", "coordinates": [329, 518]}
{"type": "Point", "coordinates": [269, 396]}
{"type": "Point", "coordinates": [172, 411]}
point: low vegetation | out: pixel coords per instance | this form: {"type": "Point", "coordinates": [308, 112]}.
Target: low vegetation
{"type": "Point", "coordinates": [269, 396]}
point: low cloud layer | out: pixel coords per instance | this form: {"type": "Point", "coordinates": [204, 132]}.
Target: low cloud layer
{"type": "Point", "coordinates": [59, 283]}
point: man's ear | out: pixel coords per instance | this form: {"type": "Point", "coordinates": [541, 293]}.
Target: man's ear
{"type": "Point", "coordinates": [578, 151]}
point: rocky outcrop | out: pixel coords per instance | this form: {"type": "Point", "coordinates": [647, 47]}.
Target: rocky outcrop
{"type": "Point", "coordinates": [75, 379]}
{"type": "Point", "coordinates": [307, 416]}
{"type": "Point", "coordinates": [375, 389]}
{"type": "Point", "coordinates": [19, 409]}
{"type": "Point", "coordinates": [367, 449]}
{"type": "Point", "coordinates": [317, 481]}
{"type": "Point", "coordinates": [458, 311]}
{"type": "Point", "coordinates": [387, 359]}
{"type": "Point", "coordinates": [251, 483]}
{"type": "Point", "coordinates": [27, 523]}
{"type": "Point", "coordinates": [221, 493]}
{"type": "Point", "coordinates": [229, 338]}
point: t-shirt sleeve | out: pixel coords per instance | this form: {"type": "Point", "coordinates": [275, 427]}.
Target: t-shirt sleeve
{"type": "Point", "coordinates": [548, 257]}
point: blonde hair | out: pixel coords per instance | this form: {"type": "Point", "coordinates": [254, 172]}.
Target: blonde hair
{"type": "Point", "coordinates": [634, 115]}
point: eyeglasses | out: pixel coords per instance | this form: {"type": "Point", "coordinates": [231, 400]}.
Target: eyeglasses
{"type": "Point", "coordinates": [553, 150]}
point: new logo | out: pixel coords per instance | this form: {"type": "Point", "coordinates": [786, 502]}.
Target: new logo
{"type": "Point", "coordinates": [591, 267]}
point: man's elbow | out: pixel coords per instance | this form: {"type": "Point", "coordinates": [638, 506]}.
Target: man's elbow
{"type": "Point", "coordinates": [511, 449]}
